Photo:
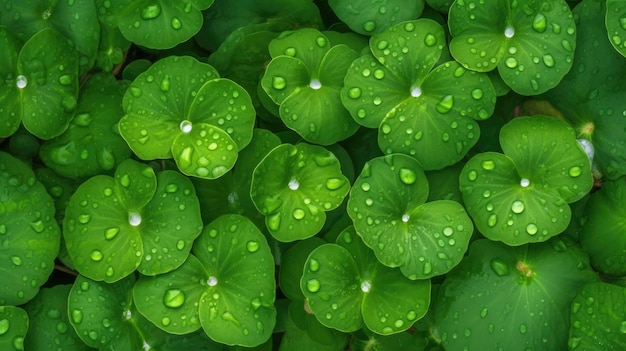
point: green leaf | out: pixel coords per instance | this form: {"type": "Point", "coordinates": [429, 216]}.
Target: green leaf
{"type": "Point", "coordinates": [597, 318]}
{"type": "Point", "coordinates": [47, 82]}
{"type": "Point", "coordinates": [235, 254]}
{"type": "Point", "coordinates": [346, 287]}
{"type": "Point", "coordinates": [423, 239]}
{"type": "Point", "coordinates": [291, 266]}
{"type": "Point", "coordinates": [75, 20]}
{"type": "Point", "coordinates": [137, 220]}
{"type": "Point", "coordinates": [531, 43]}
{"type": "Point", "coordinates": [154, 24]}
{"type": "Point", "coordinates": [523, 195]}
{"type": "Point", "coordinates": [368, 18]}
{"type": "Point", "coordinates": [112, 49]}
{"type": "Point", "coordinates": [304, 332]}
{"type": "Point", "coordinates": [397, 82]}
{"type": "Point", "coordinates": [603, 234]}
{"type": "Point", "coordinates": [294, 186]}
{"type": "Point", "coordinates": [48, 320]}
{"type": "Point", "coordinates": [366, 340]}
{"type": "Point", "coordinates": [29, 232]}
{"type": "Point", "coordinates": [13, 328]}
{"type": "Point", "coordinates": [10, 106]}
{"type": "Point", "coordinates": [513, 297]}
{"type": "Point", "coordinates": [91, 144]}
{"type": "Point", "coordinates": [616, 24]}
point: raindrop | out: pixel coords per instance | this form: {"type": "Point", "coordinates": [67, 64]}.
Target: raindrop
{"type": "Point", "coordinates": [369, 26]}
{"type": "Point", "coordinates": [365, 186]}
{"type": "Point", "coordinates": [492, 220]}
{"type": "Point", "coordinates": [484, 312]}
{"type": "Point", "coordinates": [510, 62]}
{"type": "Point", "coordinates": [488, 165]}
{"type": "Point", "coordinates": [409, 27]}
{"type": "Point", "coordinates": [405, 218]}
{"type": "Point", "coordinates": [399, 323]}
{"type": "Point", "coordinates": [314, 265]}
{"type": "Point", "coordinates": [110, 233]}
{"type": "Point", "coordinates": [407, 176]}
{"type": "Point", "coordinates": [448, 231]}
{"type": "Point", "coordinates": [428, 268]}
{"type": "Point", "coordinates": [109, 272]}
{"type": "Point", "coordinates": [180, 244]}
{"type": "Point", "coordinates": [279, 83]}
{"type": "Point", "coordinates": [174, 298]}
{"type": "Point", "coordinates": [430, 40]}
{"type": "Point", "coordinates": [186, 126]}
{"type": "Point", "coordinates": [16, 260]}
{"type": "Point", "coordinates": [354, 93]}
{"type": "Point", "coordinates": [165, 83]}
{"type": "Point", "coordinates": [548, 60]}
{"type": "Point", "coordinates": [273, 222]}
{"type": "Point", "coordinates": [574, 171]}
{"type": "Point", "coordinates": [212, 281]}
{"type": "Point", "coordinates": [65, 79]}
{"type": "Point", "coordinates": [416, 91]}
{"type": "Point", "coordinates": [524, 182]}
{"type": "Point", "coordinates": [539, 23]}
{"type": "Point", "coordinates": [499, 267]}
{"type": "Point", "coordinates": [321, 41]}
{"type": "Point", "coordinates": [176, 23]}
{"type": "Point", "coordinates": [366, 286]}
{"type": "Point", "coordinates": [298, 213]}
{"type": "Point", "coordinates": [472, 175]}
{"type": "Point", "coordinates": [509, 32]}
{"type": "Point", "coordinates": [531, 229]}
{"type": "Point", "coordinates": [293, 184]}
{"type": "Point", "coordinates": [517, 206]}
{"type": "Point", "coordinates": [290, 52]}
{"type": "Point", "coordinates": [445, 104]}
{"type": "Point", "coordinates": [151, 11]}
{"type": "Point", "coordinates": [477, 94]}
{"type": "Point", "coordinates": [38, 226]}
{"type": "Point", "coordinates": [315, 84]}
{"type": "Point", "coordinates": [523, 328]}
{"type": "Point", "coordinates": [134, 219]}
{"type": "Point", "coordinates": [77, 316]}
{"type": "Point", "coordinates": [166, 321]}
{"type": "Point", "coordinates": [252, 246]}
{"type": "Point", "coordinates": [313, 285]}
{"type": "Point", "coordinates": [96, 255]}
{"type": "Point", "coordinates": [334, 183]}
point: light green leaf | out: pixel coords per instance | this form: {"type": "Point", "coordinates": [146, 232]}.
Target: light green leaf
{"type": "Point", "coordinates": [367, 18]}
{"type": "Point", "coordinates": [13, 328]}
{"type": "Point", "coordinates": [616, 24]}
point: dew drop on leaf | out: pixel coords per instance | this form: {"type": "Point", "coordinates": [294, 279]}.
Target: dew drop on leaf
{"type": "Point", "coordinates": [174, 298]}
{"type": "Point", "coordinates": [499, 267]}
{"type": "Point", "coordinates": [252, 246]}
{"type": "Point", "coordinates": [314, 265]}
{"type": "Point", "coordinates": [517, 206]}
{"type": "Point", "coordinates": [313, 285]}
{"type": "Point", "coordinates": [539, 23]}
{"type": "Point", "coordinates": [176, 23]}
{"type": "Point", "coordinates": [278, 83]}
{"type": "Point", "coordinates": [96, 255]}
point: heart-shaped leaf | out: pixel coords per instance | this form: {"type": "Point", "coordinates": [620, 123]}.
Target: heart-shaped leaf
{"type": "Point", "coordinates": [294, 186]}
{"type": "Point", "coordinates": [597, 318]}
{"type": "Point", "coordinates": [388, 88]}
{"type": "Point", "coordinates": [13, 328]}
{"type": "Point", "coordinates": [364, 18]}
{"type": "Point", "coordinates": [387, 207]}
{"type": "Point", "coordinates": [513, 297]}
{"type": "Point", "coordinates": [91, 144]}
{"type": "Point", "coordinates": [530, 42]}
{"type": "Point", "coordinates": [523, 195]}
{"type": "Point", "coordinates": [616, 24]}
{"type": "Point", "coordinates": [135, 220]}
{"type": "Point", "coordinates": [29, 233]}
{"type": "Point", "coordinates": [154, 24]}
{"type": "Point", "coordinates": [346, 287]}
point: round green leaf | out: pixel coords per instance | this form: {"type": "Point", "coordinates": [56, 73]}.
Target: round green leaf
{"type": "Point", "coordinates": [294, 186]}
{"type": "Point", "coordinates": [603, 234]}
{"type": "Point", "coordinates": [515, 298]}
{"type": "Point", "coordinates": [10, 107]}
{"type": "Point", "coordinates": [237, 305]}
{"type": "Point", "coordinates": [616, 24]}
{"type": "Point", "coordinates": [48, 83]}
{"type": "Point", "coordinates": [13, 328]}
{"type": "Point", "coordinates": [154, 24]}
{"type": "Point", "coordinates": [345, 286]}
{"type": "Point", "coordinates": [48, 320]}
{"type": "Point", "coordinates": [523, 195]}
{"type": "Point", "coordinates": [291, 266]}
{"type": "Point", "coordinates": [29, 233]}
{"type": "Point", "coordinates": [597, 318]}
{"type": "Point", "coordinates": [530, 42]}
{"type": "Point", "coordinates": [367, 18]}
{"type": "Point", "coordinates": [387, 207]}
{"type": "Point", "coordinates": [91, 144]}
{"type": "Point", "coordinates": [75, 20]}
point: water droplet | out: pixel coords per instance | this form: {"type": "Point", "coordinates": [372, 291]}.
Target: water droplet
{"type": "Point", "coordinates": [445, 104]}
{"type": "Point", "coordinates": [509, 32]}
{"type": "Point", "coordinates": [134, 219]}
{"type": "Point", "coordinates": [430, 40]}
{"type": "Point", "coordinates": [492, 220]}
{"type": "Point", "coordinates": [531, 229]}
{"type": "Point", "coordinates": [21, 82]}
{"type": "Point", "coordinates": [484, 312]}
{"type": "Point", "coordinates": [293, 184]}
{"type": "Point", "coordinates": [315, 84]}
{"type": "Point", "coordinates": [84, 218]}
{"type": "Point", "coordinates": [539, 23]}
{"type": "Point", "coordinates": [510, 62]}
{"type": "Point", "coordinates": [212, 281]}
{"type": "Point", "coordinates": [110, 233]}
{"type": "Point", "coordinates": [428, 268]}
{"type": "Point", "coordinates": [488, 165]}
{"type": "Point", "coordinates": [354, 93]}
{"type": "Point", "coordinates": [151, 11]}
{"type": "Point", "coordinates": [298, 213]}
{"type": "Point", "coordinates": [548, 60]}
{"type": "Point", "coordinates": [38, 226]}
{"type": "Point", "coordinates": [16, 260]}
{"type": "Point", "coordinates": [575, 171]}
{"type": "Point", "coordinates": [279, 83]}
{"type": "Point", "coordinates": [176, 23]}
{"type": "Point", "coordinates": [472, 175]}
{"type": "Point", "coordinates": [477, 94]}
{"type": "Point", "coordinates": [517, 206]}
{"type": "Point", "coordinates": [369, 26]}
{"type": "Point", "coordinates": [321, 41]}
{"type": "Point", "coordinates": [409, 26]}
{"type": "Point", "coordinates": [174, 298]}
{"type": "Point", "coordinates": [77, 316]}
{"type": "Point", "coordinates": [366, 286]}
{"type": "Point", "coordinates": [165, 321]}
{"type": "Point", "coordinates": [96, 255]}
{"type": "Point", "coordinates": [499, 267]}
{"type": "Point", "coordinates": [314, 265]}
{"type": "Point", "coordinates": [407, 176]}
{"type": "Point", "coordinates": [65, 79]}
{"type": "Point", "coordinates": [406, 217]}
{"type": "Point", "coordinates": [335, 183]}
{"type": "Point", "coordinates": [252, 246]}
{"type": "Point", "coordinates": [416, 91]}
{"type": "Point", "coordinates": [186, 126]}
{"type": "Point", "coordinates": [524, 183]}
{"type": "Point", "coordinates": [313, 285]}
{"type": "Point", "coordinates": [273, 222]}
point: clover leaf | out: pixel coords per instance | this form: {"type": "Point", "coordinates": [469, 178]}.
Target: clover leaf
{"type": "Point", "coordinates": [346, 287]}
{"type": "Point", "coordinates": [29, 233]}
{"type": "Point", "coordinates": [206, 290]}
{"type": "Point", "coordinates": [419, 110]}
{"type": "Point", "coordinates": [366, 19]}
{"type": "Point", "coordinates": [387, 206]}
{"type": "Point", "coordinates": [513, 297]}
{"type": "Point", "coordinates": [154, 24]}
{"type": "Point", "coordinates": [522, 196]}
{"type": "Point", "coordinates": [180, 108]}
{"type": "Point", "coordinates": [113, 226]}
{"type": "Point", "coordinates": [49, 320]}
{"type": "Point", "coordinates": [294, 186]}
{"type": "Point", "coordinates": [41, 83]}
{"type": "Point", "coordinates": [616, 24]}
{"type": "Point", "coordinates": [603, 234]}
{"type": "Point", "coordinates": [75, 20]}
{"type": "Point", "coordinates": [530, 42]}
{"type": "Point", "coordinates": [13, 328]}
{"type": "Point", "coordinates": [91, 144]}
{"type": "Point", "coordinates": [597, 318]}
{"type": "Point", "coordinates": [305, 77]}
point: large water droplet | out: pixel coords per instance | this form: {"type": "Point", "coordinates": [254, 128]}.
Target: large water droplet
{"type": "Point", "coordinates": [293, 184]}
{"type": "Point", "coordinates": [517, 206]}
{"type": "Point", "coordinates": [252, 246]}
{"type": "Point", "coordinates": [366, 286]}
{"type": "Point", "coordinates": [445, 104]}
{"type": "Point", "coordinates": [574, 171]}
{"type": "Point", "coordinates": [313, 285]}
{"type": "Point", "coordinates": [407, 176]}
{"type": "Point", "coordinates": [298, 213]}
{"type": "Point", "coordinates": [134, 219]}
{"type": "Point", "coordinates": [488, 165]}
{"type": "Point", "coordinates": [186, 126]}
{"type": "Point", "coordinates": [334, 183]}
{"type": "Point", "coordinates": [96, 255]}
{"type": "Point", "coordinates": [21, 82]}
{"type": "Point", "coordinates": [315, 84]}
{"type": "Point", "coordinates": [314, 265]}
{"type": "Point", "coordinates": [110, 233]}
{"type": "Point", "coordinates": [531, 229]}
{"type": "Point", "coordinates": [174, 298]}
{"type": "Point", "coordinates": [151, 11]}
{"type": "Point", "coordinates": [279, 83]}
{"type": "Point", "coordinates": [499, 267]}
{"type": "Point", "coordinates": [77, 316]}
{"type": "Point", "coordinates": [539, 23]}
{"type": "Point", "coordinates": [176, 23]}
{"type": "Point", "coordinates": [509, 32]}
{"type": "Point", "coordinates": [524, 182]}
{"type": "Point", "coordinates": [212, 281]}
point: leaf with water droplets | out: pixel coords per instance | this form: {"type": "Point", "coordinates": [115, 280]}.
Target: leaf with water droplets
{"type": "Point", "coordinates": [91, 145]}
{"type": "Point", "coordinates": [616, 24]}
{"type": "Point", "coordinates": [368, 18]}
{"type": "Point", "coordinates": [29, 232]}
{"type": "Point", "coordinates": [294, 187]}
{"type": "Point", "coordinates": [9, 97]}
{"type": "Point", "coordinates": [304, 332]}
{"type": "Point", "coordinates": [389, 197]}
{"type": "Point", "coordinates": [603, 233]}
{"type": "Point", "coordinates": [515, 297]}
{"type": "Point", "coordinates": [229, 314]}
{"type": "Point", "coordinates": [13, 328]}
{"type": "Point", "coordinates": [532, 45]}
{"type": "Point", "coordinates": [292, 264]}
{"type": "Point", "coordinates": [598, 317]}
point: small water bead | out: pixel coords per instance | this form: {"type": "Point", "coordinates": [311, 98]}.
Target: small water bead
{"type": "Point", "coordinates": [315, 84]}
{"type": "Point", "coordinates": [96, 255]}
{"type": "Point", "coordinates": [531, 229]}
{"type": "Point", "coordinates": [430, 40]}
{"type": "Point", "coordinates": [548, 60]}
{"type": "Point", "coordinates": [298, 213]}
{"type": "Point", "coordinates": [186, 126]}
{"type": "Point", "coordinates": [314, 265]}
{"type": "Point", "coordinates": [77, 316]}
{"type": "Point", "coordinates": [354, 93]}
{"type": "Point", "coordinates": [279, 83]}
{"type": "Point", "coordinates": [509, 32]}
{"type": "Point", "coordinates": [416, 91]}
{"type": "Point", "coordinates": [492, 220]}
{"type": "Point", "coordinates": [517, 206]}
{"type": "Point", "coordinates": [524, 182]}
{"type": "Point", "coordinates": [313, 285]}
{"type": "Point", "coordinates": [176, 23]}
{"type": "Point", "coordinates": [252, 246]}
{"type": "Point", "coordinates": [151, 11]}
{"type": "Point", "coordinates": [293, 184]}
{"type": "Point", "coordinates": [366, 286]}
{"type": "Point", "coordinates": [510, 62]}
{"type": "Point", "coordinates": [174, 298]}
{"type": "Point", "coordinates": [405, 218]}
{"type": "Point", "coordinates": [134, 219]}
{"type": "Point", "coordinates": [111, 233]}
{"type": "Point", "coordinates": [407, 176]}
{"type": "Point", "coordinates": [212, 281]}
{"type": "Point", "coordinates": [488, 165]}
{"type": "Point", "coordinates": [574, 171]}
{"type": "Point", "coordinates": [499, 267]}
{"type": "Point", "coordinates": [369, 26]}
